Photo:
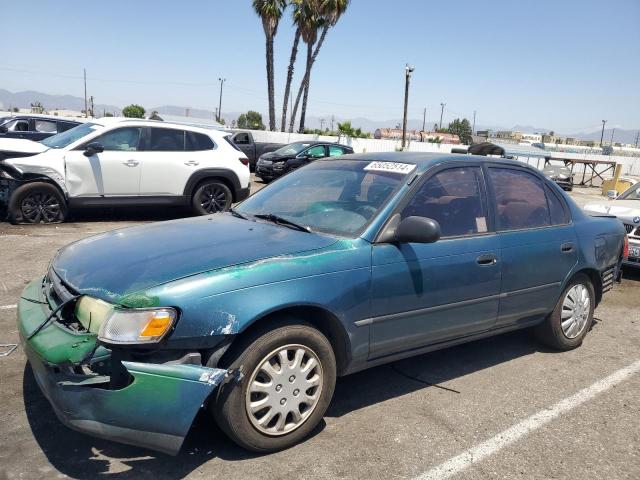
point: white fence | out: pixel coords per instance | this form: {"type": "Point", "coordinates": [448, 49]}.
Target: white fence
{"type": "Point", "coordinates": [630, 165]}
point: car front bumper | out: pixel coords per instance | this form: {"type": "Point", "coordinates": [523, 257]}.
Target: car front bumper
{"type": "Point", "coordinates": [154, 410]}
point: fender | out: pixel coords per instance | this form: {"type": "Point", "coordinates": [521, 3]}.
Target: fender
{"type": "Point", "coordinates": [21, 174]}
{"type": "Point", "coordinates": [200, 175]}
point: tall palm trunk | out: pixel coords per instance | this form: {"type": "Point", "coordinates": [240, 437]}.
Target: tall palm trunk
{"type": "Point", "coordinates": [307, 76]}
{"type": "Point", "coordinates": [287, 89]}
{"type": "Point", "coordinates": [303, 111]}
{"type": "Point", "coordinates": [270, 83]}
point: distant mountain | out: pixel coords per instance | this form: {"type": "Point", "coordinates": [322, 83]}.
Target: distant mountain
{"type": "Point", "coordinates": [49, 102]}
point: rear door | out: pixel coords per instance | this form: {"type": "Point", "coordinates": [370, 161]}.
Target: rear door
{"type": "Point", "coordinates": [113, 172]}
{"type": "Point", "coordinates": [537, 241]}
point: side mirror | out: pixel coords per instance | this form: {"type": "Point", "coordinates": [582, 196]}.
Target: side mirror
{"type": "Point", "coordinates": [411, 230]}
{"type": "Point", "coordinates": [93, 148]}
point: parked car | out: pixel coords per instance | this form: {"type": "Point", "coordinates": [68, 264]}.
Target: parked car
{"type": "Point", "coordinates": [33, 126]}
{"type": "Point", "coordinates": [627, 208]}
{"type": "Point", "coordinates": [339, 266]}
{"type": "Point", "coordinates": [119, 162]}
{"type": "Point", "coordinates": [561, 175]}
{"type": "Point", "coordinates": [252, 149]}
{"type": "Point", "coordinates": [277, 163]}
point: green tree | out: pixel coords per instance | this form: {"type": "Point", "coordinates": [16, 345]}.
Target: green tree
{"type": "Point", "coordinates": [133, 111]}
{"type": "Point", "coordinates": [347, 130]}
{"type": "Point", "coordinates": [270, 12]}
{"type": "Point", "coordinates": [461, 128]}
{"type": "Point", "coordinates": [251, 121]}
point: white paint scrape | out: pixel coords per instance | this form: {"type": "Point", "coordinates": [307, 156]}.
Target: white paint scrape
{"type": "Point", "coordinates": [8, 307]}
{"type": "Point", "coordinates": [511, 435]}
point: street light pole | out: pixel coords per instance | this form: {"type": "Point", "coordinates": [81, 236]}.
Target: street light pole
{"type": "Point", "coordinates": [473, 128]}
{"type": "Point", "coordinates": [602, 134]}
{"type": "Point", "coordinates": [612, 132]}
{"type": "Point", "coordinates": [441, 112]}
{"type": "Point", "coordinates": [407, 78]}
{"type": "Point", "coordinates": [424, 118]}
{"type": "Point", "coordinates": [221, 80]}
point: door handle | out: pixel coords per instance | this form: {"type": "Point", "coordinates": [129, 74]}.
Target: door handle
{"type": "Point", "coordinates": [131, 163]}
{"type": "Point", "coordinates": [192, 163]}
{"type": "Point", "coordinates": [566, 247]}
{"type": "Point", "coordinates": [487, 259]}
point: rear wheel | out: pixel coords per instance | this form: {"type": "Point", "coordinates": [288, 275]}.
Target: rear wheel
{"type": "Point", "coordinates": [37, 202]}
{"type": "Point", "coordinates": [571, 319]}
{"type": "Point", "coordinates": [211, 196]}
{"type": "Point", "coordinates": [289, 377]}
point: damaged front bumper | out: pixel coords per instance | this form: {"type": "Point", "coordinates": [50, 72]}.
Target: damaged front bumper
{"type": "Point", "coordinates": [154, 410]}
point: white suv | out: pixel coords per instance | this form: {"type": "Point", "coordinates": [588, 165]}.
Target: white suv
{"type": "Point", "coordinates": [120, 161]}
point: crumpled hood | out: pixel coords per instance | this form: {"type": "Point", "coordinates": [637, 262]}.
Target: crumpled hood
{"type": "Point", "coordinates": [118, 263]}
{"type": "Point", "coordinates": [21, 145]}
{"type": "Point", "coordinates": [619, 208]}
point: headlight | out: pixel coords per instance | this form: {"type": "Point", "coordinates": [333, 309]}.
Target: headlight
{"type": "Point", "coordinates": [126, 326]}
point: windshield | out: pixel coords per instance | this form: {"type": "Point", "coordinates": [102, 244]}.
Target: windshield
{"type": "Point", "coordinates": [292, 148]}
{"type": "Point", "coordinates": [63, 139]}
{"type": "Point", "coordinates": [338, 197]}
{"type": "Point", "coordinates": [632, 193]}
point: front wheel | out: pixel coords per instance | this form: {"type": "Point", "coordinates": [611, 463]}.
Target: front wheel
{"type": "Point", "coordinates": [211, 196]}
{"type": "Point", "coordinates": [37, 202]}
{"type": "Point", "coordinates": [289, 377]}
{"type": "Point", "coordinates": [571, 319]}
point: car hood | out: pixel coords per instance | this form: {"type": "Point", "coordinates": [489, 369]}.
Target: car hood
{"type": "Point", "coordinates": [619, 208]}
{"type": "Point", "coordinates": [115, 264]}
{"type": "Point", "coordinates": [21, 145]}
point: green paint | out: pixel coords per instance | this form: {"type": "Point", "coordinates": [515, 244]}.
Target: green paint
{"type": "Point", "coordinates": [140, 300]}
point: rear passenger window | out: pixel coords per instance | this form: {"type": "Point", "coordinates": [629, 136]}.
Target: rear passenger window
{"type": "Point", "coordinates": [45, 126]}
{"type": "Point", "coordinates": [558, 213]}
{"type": "Point", "coordinates": [455, 199]}
{"type": "Point", "coordinates": [199, 141]}
{"type": "Point", "coordinates": [335, 151]}
{"type": "Point", "coordinates": [167, 140]}
{"type": "Point", "coordinates": [520, 199]}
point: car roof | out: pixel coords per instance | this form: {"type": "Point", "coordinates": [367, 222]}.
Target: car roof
{"type": "Point", "coordinates": [424, 160]}
{"type": "Point", "coordinates": [320, 142]}
{"type": "Point", "coordinates": [44, 117]}
{"type": "Point", "coordinates": [208, 130]}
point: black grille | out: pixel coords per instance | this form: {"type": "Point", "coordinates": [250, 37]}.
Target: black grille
{"type": "Point", "coordinates": [628, 227]}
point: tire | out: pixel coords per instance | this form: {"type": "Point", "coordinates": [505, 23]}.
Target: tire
{"type": "Point", "coordinates": [211, 196]}
{"type": "Point", "coordinates": [552, 333]}
{"type": "Point", "coordinates": [286, 393]}
{"type": "Point", "coordinates": [37, 202]}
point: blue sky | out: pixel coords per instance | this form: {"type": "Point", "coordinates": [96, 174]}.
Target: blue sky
{"type": "Point", "coordinates": [562, 65]}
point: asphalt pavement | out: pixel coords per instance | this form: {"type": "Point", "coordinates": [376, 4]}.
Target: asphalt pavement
{"type": "Point", "coordinates": [499, 408]}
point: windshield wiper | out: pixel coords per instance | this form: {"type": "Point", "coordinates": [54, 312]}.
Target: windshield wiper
{"type": "Point", "coordinates": [282, 221]}
{"type": "Point", "coordinates": [235, 213]}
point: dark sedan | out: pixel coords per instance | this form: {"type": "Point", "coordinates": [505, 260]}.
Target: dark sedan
{"type": "Point", "coordinates": [294, 155]}
{"type": "Point", "coordinates": [33, 127]}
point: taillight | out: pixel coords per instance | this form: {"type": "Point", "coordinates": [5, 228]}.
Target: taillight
{"type": "Point", "coordinates": [625, 248]}
{"type": "Point", "coordinates": [244, 160]}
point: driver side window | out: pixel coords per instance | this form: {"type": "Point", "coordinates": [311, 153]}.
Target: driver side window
{"type": "Point", "coordinates": [455, 199]}
{"type": "Point", "coordinates": [120, 139]}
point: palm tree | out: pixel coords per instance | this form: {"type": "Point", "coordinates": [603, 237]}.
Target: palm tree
{"type": "Point", "coordinates": [326, 15]}
{"type": "Point", "coordinates": [270, 12]}
{"type": "Point", "coordinates": [297, 15]}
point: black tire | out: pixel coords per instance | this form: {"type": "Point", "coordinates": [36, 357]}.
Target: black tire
{"type": "Point", "coordinates": [229, 406]}
{"type": "Point", "coordinates": [551, 333]}
{"type": "Point", "coordinates": [37, 202]}
{"type": "Point", "coordinates": [211, 196]}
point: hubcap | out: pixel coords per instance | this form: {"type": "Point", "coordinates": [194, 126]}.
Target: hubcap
{"type": "Point", "coordinates": [284, 389]}
{"type": "Point", "coordinates": [575, 311]}
{"type": "Point", "coordinates": [40, 207]}
{"type": "Point", "coordinates": [213, 199]}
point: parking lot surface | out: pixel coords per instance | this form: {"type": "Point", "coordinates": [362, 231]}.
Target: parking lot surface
{"type": "Point", "coordinates": [501, 408]}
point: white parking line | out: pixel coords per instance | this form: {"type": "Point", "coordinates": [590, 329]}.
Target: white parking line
{"type": "Point", "coordinates": [8, 307]}
{"type": "Point", "coordinates": [511, 435]}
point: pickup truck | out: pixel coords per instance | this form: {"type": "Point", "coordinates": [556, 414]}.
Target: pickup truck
{"type": "Point", "coordinates": [252, 149]}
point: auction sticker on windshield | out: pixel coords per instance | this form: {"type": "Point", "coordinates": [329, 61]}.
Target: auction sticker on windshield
{"type": "Point", "coordinates": [390, 167]}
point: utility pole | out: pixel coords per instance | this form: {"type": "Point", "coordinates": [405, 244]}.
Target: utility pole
{"type": "Point", "coordinates": [322, 124]}
{"type": "Point", "coordinates": [91, 103]}
{"type": "Point", "coordinates": [424, 118]}
{"type": "Point", "coordinates": [85, 92]}
{"type": "Point", "coordinates": [441, 112]}
{"type": "Point", "coordinates": [637, 138]}
{"type": "Point", "coordinates": [407, 78]}
{"type": "Point", "coordinates": [602, 134]}
{"type": "Point", "coordinates": [473, 128]}
{"type": "Point", "coordinates": [612, 132]}
{"type": "Point", "coordinates": [332, 120]}
{"type": "Point", "coordinates": [221, 80]}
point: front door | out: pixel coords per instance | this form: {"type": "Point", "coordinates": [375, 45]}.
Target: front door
{"type": "Point", "coordinates": [428, 293]}
{"type": "Point", "coordinates": [538, 243]}
{"type": "Point", "coordinates": [115, 172]}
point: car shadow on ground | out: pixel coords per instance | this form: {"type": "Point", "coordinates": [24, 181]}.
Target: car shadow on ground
{"type": "Point", "coordinates": [80, 456]}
